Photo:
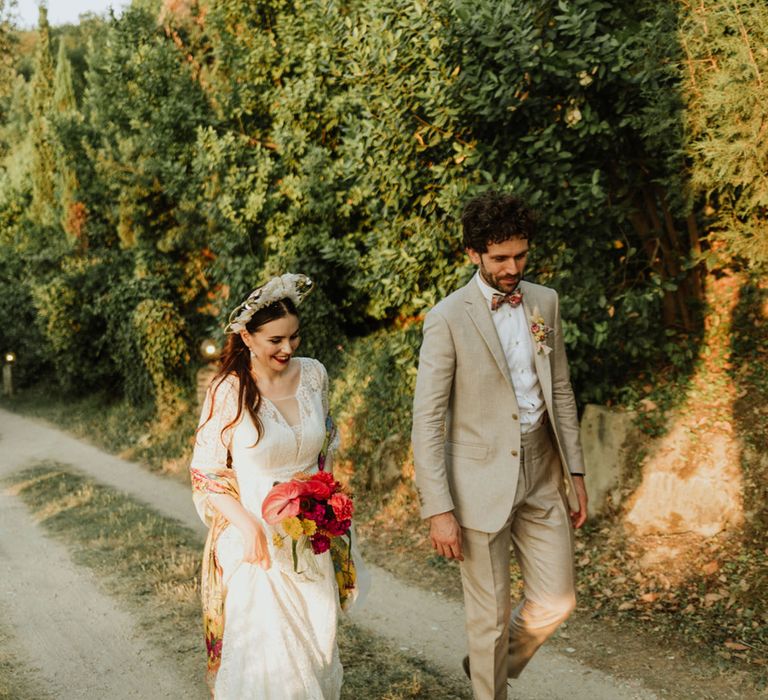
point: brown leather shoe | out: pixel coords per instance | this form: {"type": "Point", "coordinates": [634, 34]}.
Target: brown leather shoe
{"type": "Point", "coordinates": [465, 666]}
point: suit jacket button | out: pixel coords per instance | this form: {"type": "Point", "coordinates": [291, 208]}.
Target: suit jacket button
{"type": "Point", "coordinates": [514, 416]}
{"type": "Point", "coordinates": [514, 453]}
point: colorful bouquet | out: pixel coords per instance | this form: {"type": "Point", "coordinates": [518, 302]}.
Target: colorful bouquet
{"type": "Point", "coordinates": [312, 510]}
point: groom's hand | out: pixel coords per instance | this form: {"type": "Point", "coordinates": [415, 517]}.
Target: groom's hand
{"type": "Point", "coordinates": [445, 533]}
{"type": "Point", "coordinates": [578, 518]}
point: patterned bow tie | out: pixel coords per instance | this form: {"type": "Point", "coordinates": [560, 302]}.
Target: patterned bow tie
{"type": "Point", "coordinates": [514, 299]}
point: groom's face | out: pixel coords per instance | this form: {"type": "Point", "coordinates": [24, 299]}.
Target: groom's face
{"type": "Point", "coordinates": [502, 265]}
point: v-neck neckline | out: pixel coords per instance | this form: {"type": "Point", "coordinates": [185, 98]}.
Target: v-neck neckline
{"type": "Point", "coordinates": [279, 413]}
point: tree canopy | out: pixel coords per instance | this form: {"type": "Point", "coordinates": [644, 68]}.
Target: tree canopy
{"type": "Point", "coordinates": [170, 159]}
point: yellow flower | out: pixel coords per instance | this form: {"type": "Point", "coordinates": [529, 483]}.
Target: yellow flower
{"type": "Point", "coordinates": [310, 527]}
{"type": "Point", "coordinates": [277, 540]}
{"type": "Point", "coordinates": [293, 528]}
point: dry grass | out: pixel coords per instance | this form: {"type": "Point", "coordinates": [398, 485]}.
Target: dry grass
{"type": "Point", "coordinates": [17, 680]}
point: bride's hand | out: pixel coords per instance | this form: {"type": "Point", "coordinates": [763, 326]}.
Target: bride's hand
{"type": "Point", "coordinates": [255, 549]}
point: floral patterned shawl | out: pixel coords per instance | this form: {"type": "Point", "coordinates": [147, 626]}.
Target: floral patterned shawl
{"type": "Point", "coordinates": [212, 590]}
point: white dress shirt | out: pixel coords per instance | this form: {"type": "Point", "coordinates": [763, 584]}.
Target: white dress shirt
{"type": "Point", "coordinates": [512, 329]}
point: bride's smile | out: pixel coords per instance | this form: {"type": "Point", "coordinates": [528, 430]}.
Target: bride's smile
{"type": "Point", "coordinates": [272, 346]}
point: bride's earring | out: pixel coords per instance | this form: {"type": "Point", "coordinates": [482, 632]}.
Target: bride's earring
{"type": "Point", "coordinates": [248, 346]}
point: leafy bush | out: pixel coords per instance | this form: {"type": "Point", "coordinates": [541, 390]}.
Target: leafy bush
{"type": "Point", "coordinates": [371, 400]}
{"type": "Point", "coordinates": [204, 150]}
{"type": "Point", "coordinates": [725, 93]}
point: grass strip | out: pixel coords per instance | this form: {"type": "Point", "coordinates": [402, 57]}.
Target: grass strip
{"type": "Point", "coordinates": [151, 563]}
{"type": "Point", "coordinates": [17, 679]}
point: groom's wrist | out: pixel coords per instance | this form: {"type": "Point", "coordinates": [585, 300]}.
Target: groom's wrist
{"type": "Point", "coordinates": [441, 519]}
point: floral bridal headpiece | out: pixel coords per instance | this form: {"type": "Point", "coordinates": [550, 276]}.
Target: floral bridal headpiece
{"type": "Point", "coordinates": [291, 286]}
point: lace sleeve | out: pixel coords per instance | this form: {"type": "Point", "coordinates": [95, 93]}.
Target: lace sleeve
{"type": "Point", "coordinates": [212, 442]}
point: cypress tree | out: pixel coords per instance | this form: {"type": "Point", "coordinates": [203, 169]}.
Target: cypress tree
{"type": "Point", "coordinates": [7, 41]}
{"type": "Point", "coordinates": [41, 102]}
{"type": "Point", "coordinates": [17, 122]}
{"type": "Point", "coordinates": [65, 105]}
{"type": "Point", "coordinates": [63, 88]}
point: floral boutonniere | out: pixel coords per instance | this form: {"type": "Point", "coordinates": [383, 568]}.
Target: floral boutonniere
{"type": "Point", "coordinates": [540, 331]}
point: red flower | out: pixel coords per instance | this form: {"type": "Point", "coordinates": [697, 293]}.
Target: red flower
{"type": "Point", "coordinates": [342, 506]}
{"type": "Point", "coordinates": [326, 477]}
{"type": "Point", "coordinates": [320, 543]}
{"type": "Point", "coordinates": [306, 504]}
{"type": "Point", "coordinates": [320, 486]}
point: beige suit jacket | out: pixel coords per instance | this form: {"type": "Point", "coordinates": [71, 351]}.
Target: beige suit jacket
{"type": "Point", "coordinates": [466, 435]}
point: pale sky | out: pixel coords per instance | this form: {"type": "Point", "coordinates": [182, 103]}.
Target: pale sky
{"type": "Point", "coordinates": [63, 11]}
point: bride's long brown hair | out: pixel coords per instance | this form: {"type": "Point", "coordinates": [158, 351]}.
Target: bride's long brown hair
{"type": "Point", "coordinates": [236, 360]}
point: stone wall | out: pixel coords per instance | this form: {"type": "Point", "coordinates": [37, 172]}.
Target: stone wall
{"type": "Point", "coordinates": [608, 438]}
{"type": "Point", "coordinates": [683, 482]}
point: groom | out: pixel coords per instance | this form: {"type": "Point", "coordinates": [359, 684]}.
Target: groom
{"type": "Point", "coordinates": [496, 445]}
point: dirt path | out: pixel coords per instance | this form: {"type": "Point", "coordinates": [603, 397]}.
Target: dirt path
{"type": "Point", "coordinates": [75, 639]}
{"type": "Point", "coordinates": [422, 623]}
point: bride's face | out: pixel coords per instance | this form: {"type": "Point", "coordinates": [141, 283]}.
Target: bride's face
{"type": "Point", "coordinates": [273, 344]}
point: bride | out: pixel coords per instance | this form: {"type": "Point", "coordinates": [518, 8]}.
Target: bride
{"type": "Point", "coordinates": [270, 633]}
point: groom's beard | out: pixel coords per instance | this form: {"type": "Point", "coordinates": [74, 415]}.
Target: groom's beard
{"type": "Point", "coordinates": [505, 284]}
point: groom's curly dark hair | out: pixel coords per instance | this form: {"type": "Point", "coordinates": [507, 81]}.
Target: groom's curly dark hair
{"type": "Point", "coordinates": [495, 217]}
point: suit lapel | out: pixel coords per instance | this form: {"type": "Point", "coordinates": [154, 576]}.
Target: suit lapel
{"type": "Point", "coordinates": [480, 314]}
{"type": "Point", "coordinates": [540, 359]}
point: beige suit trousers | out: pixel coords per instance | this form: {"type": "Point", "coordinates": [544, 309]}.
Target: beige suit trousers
{"type": "Point", "coordinates": [502, 641]}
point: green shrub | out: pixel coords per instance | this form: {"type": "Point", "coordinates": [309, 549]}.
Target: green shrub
{"type": "Point", "coordinates": [371, 401]}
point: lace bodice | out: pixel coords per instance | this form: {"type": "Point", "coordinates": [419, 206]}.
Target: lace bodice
{"type": "Point", "coordinates": [283, 449]}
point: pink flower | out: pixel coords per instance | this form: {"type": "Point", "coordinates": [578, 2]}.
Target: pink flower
{"type": "Point", "coordinates": [316, 513]}
{"type": "Point", "coordinates": [320, 543]}
{"type": "Point", "coordinates": [337, 528]}
{"type": "Point", "coordinates": [283, 501]}
{"type": "Point", "coordinates": [342, 506]}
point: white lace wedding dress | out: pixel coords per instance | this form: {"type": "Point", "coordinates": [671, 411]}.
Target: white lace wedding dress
{"type": "Point", "coordinates": [280, 631]}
